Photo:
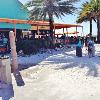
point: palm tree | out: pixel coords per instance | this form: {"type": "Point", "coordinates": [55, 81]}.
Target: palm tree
{"type": "Point", "coordinates": [91, 11]}
{"type": "Point", "coordinates": [96, 14]}
{"type": "Point", "coordinates": [98, 26]}
{"type": "Point", "coordinates": [50, 8]}
{"type": "Point", "coordinates": [86, 15]}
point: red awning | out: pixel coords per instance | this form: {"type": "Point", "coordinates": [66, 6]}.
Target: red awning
{"type": "Point", "coordinates": [59, 26]}
{"type": "Point", "coordinates": [17, 21]}
{"type": "Point", "coordinates": [38, 23]}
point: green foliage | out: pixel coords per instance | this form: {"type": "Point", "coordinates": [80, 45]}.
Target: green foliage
{"type": "Point", "coordinates": [32, 46]}
{"type": "Point", "coordinates": [85, 13]}
{"type": "Point", "coordinates": [28, 47]}
{"type": "Point", "coordinates": [43, 8]}
{"type": "Point", "coordinates": [90, 10]}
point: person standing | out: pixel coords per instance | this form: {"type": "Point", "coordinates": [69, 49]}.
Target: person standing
{"type": "Point", "coordinates": [79, 48]}
{"type": "Point", "coordinates": [91, 48]}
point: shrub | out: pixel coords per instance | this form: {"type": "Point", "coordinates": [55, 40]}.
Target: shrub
{"type": "Point", "coordinates": [29, 47]}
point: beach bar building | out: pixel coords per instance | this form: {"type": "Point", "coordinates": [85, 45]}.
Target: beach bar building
{"type": "Point", "coordinates": [11, 13]}
{"type": "Point", "coordinates": [13, 17]}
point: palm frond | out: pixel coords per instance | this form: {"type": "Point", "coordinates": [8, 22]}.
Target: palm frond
{"type": "Point", "coordinates": [57, 8]}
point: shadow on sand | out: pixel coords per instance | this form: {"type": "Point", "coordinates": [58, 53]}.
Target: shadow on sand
{"type": "Point", "coordinates": [71, 61]}
{"type": "Point", "coordinates": [6, 92]}
{"type": "Point", "coordinates": [19, 79]}
{"type": "Point", "coordinates": [50, 53]}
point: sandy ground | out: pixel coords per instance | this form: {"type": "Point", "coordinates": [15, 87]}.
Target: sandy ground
{"type": "Point", "coordinates": [57, 75]}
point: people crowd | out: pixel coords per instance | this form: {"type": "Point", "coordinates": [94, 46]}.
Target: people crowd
{"type": "Point", "coordinates": [89, 44]}
{"type": "Point", "coordinates": [88, 41]}
{"type": "Point", "coordinates": [46, 42]}
{"type": "Point", "coordinates": [3, 44]}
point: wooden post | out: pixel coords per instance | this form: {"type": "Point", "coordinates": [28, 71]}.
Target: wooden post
{"type": "Point", "coordinates": [63, 30]}
{"type": "Point", "coordinates": [82, 31]}
{"type": "Point", "coordinates": [13, 51]}
{"type": "Point", "coordinates": [15, 30]}
{"type": "Point", "coordinates": [76, 32]}
{"type": "Point", "coordinates": [38, 30]}
{"type": "Point", "coordinates": [54, 30]}
{"type": "Point", "coordinates": [67, 32]}
{"type": "Point", "coordinates": [67, 36]}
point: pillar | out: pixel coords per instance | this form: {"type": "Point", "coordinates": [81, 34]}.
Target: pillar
{"type": "Point", "coordinates": [13, 51]}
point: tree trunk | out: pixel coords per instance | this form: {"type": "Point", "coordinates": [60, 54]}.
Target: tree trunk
{"type": "Point", "coordinates": [52, 44]}
{"type": "Point", "coordinates": [51, 25]}
{"type": "Point", "coordinates": [98, 29]}
{"type": "Point", "coordinates": [90, 27]}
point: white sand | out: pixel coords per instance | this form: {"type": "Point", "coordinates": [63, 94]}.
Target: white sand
{"type": "Point", "coordinates": [59, 75]}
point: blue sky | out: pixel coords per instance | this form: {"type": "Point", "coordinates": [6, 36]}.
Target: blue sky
{"type": "Point", "coordinates": [71, 19]}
